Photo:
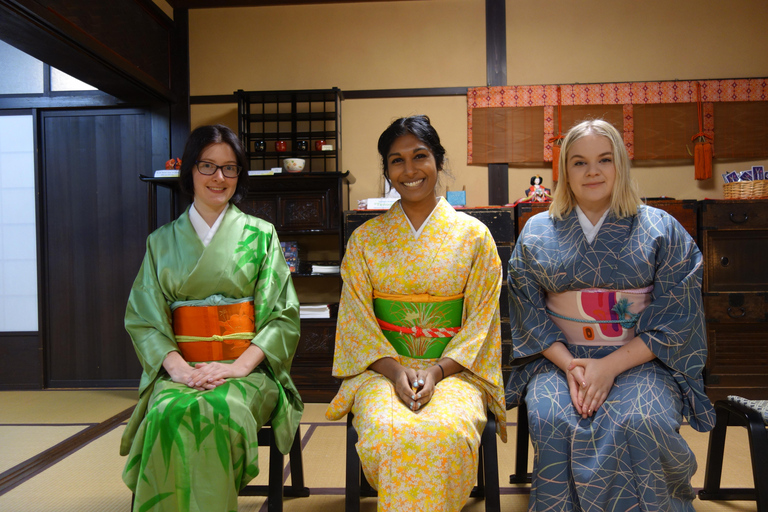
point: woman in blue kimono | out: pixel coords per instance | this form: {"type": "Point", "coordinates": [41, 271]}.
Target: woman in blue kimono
{"type": "Point", "coordinates": [608, 339]}
{"type": "Point", "coordinates": [214, 319]}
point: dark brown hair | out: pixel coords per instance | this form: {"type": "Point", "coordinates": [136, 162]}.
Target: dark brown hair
{"type": "Point", "coordinates": [201, 138]}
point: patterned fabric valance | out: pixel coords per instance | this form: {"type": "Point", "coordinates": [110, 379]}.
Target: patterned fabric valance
{"type": "Point", "coordinates": [515, 124]}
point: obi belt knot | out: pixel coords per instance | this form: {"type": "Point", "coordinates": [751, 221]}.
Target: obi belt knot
{"type": "Point", "coordinates": [418, 326]}
{"type": "Point", "coordinates": [217, 332]}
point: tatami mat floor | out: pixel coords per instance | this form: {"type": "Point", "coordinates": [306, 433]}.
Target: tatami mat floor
{"type": "Point", "coordinates": [88, 479]}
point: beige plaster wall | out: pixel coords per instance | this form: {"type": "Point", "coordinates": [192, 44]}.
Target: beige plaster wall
{"type": "Point", "coordinates": [441, 43]}
{"type": "Point", "coordinates": [565, 41]}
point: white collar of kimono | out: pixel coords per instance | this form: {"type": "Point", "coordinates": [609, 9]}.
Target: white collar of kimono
{"type": "Point", "coordinates": [417, 232]}
{"type": "Point", "coordinates": [589, 230]}
{"type": "Point", "coordinates": [203, 230]}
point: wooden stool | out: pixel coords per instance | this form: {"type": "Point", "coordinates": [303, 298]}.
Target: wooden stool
{"type": "Point", "coordinates": [734, 413]}
{"type": "Point", "coordinates": [487, 487]}
{"type": "Point", "coordinates": [276, 490]}
{"type": "Point", "coordinates": [521, 474]}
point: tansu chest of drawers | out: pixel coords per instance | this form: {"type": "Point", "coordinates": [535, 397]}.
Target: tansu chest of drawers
{"type": "Point", "coordinates": [734, 241]}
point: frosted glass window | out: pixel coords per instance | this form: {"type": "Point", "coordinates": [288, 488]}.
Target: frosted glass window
{"type": "Point", "coordinates": [22, 74]}
{"type": "Point", "coordinates": [18, 243]}
{"type": "Point", "coordinates": [60, 81]}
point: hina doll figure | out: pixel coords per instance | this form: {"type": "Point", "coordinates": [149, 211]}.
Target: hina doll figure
{"type": "Point", "coordinates": [537, 193]}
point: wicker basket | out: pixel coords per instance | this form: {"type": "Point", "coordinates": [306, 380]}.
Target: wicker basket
{"type": "Point", "coordinates": [746, 189]}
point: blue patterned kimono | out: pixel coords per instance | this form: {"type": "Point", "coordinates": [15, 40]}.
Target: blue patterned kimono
{"type": "Point", "coordinates": [629, 455]}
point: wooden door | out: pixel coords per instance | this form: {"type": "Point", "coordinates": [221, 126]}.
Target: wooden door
{"type": "Point", "coordinates": [94, 211]}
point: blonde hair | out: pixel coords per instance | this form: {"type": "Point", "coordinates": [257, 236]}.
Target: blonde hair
{"type": "Point", "coordinates": [624, 197]}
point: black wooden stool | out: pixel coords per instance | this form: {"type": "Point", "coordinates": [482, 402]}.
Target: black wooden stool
{"type": "Point", "coordinates": [487, 470]}
{"type": "Point", "coordinates": [521, 474]}
{"type": "Point", "coordinates": [734, 413]}
{"type": "Point", "coordinates": [276, 490]}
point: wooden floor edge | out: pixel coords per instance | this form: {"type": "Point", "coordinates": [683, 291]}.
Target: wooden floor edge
{"type": "Point", "coordinates": [20, 473]}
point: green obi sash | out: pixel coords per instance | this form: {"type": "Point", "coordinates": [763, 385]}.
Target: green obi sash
{"type": "Point", "coordinates": [418, 326]}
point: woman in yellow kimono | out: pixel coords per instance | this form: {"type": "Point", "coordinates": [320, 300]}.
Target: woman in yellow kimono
{"type": "Point", "coordinates": [418, 338]}
{"type": "Point", "coordinates": [213, 316]}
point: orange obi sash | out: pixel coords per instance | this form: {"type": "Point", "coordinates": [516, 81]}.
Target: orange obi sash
{"type": "Point", "coordinates": [214, 333]}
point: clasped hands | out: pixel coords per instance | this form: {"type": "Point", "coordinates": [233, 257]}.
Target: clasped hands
{"type": "Point", "coordinates": [589, 381]}
{"type": "Point", "coordinates": [206, 376]}
{"type": "Point", "coordinates": [415, 387]}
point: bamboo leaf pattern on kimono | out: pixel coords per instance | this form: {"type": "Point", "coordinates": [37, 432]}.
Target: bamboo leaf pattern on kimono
{"type": "Point", "coordinates": [154, 501]}
{"type": "Point", "coordinates": [250, 250]}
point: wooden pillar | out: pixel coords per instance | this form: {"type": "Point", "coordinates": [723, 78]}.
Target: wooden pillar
{"type": "Point", "coordinates": [496, 72]}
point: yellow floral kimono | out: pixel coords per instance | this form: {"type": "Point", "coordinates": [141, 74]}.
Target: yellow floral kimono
{"type": "Point", "coordinates": [425, 460]}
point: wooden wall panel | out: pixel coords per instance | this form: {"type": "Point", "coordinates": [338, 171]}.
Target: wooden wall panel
{"type": "Point", "coordinates": [95, 220]}
{"type": "Point", "coordinates": [20, 361]}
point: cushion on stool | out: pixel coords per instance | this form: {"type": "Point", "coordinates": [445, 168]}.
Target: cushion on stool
{"type": "Point", "coordinates": [761, 406]}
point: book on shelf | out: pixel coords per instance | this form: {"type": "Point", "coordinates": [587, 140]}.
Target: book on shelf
{"type": "Point", "coordinates": [291, 254]}
{"type": "Point", "coordinates": [316, 310]}
{"type": "Point", "coordinates": [376, 203]}
{"type": "Point", "coordinates": [325, 267]}
{"type": "Point", "coordinates": [166, 173]}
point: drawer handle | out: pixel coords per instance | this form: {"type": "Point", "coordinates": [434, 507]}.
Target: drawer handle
{"type": "Point", "coordinates": [742, 315]}
{"type": "Point", "coordinates": [724, 261]}
{"type": "Point", "coordinates": [744, 218]}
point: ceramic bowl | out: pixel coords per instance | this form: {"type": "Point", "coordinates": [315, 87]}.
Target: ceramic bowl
{"type": "Point", "coordinates": [293, 164]}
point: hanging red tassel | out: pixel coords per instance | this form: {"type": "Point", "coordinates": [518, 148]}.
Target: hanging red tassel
{"type": "Point", "coordinates": [702, 156]}
{"type": "Point", "coordinates": [556, 142]}
{"type": "Point", "coordinates": [702, 151]}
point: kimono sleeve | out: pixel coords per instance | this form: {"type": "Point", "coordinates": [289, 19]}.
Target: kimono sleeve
{"type": "Point", "coordinates": [477, 346]}
{"type": "Point", "coordinates": [276, 311]}
{"type": "Point", "coordinates": [148, 320]}
{"type": "Point", "coordinates": [673, 324]}
{"type": "Point", "coordinates": [532, 329]}
{"type": "Point", "coordinates": [276, 308]}
{"type": "Point", "coordinates": [359, 340]}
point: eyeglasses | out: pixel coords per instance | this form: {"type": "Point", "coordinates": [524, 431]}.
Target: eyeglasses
{"type": "Point", "coordinates": [209, 168]}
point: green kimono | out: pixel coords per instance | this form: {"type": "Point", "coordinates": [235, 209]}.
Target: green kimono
{"type": "Point", "coordinates": [194, 450]}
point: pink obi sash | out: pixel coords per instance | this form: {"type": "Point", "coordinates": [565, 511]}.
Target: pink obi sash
{"type": "Point", "coordinates": [598, 317]}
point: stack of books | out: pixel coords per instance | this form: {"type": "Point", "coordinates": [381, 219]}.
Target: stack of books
{"type": "Point", "coordinates": [325, 267]}
{"type": "Point", "coordinates": [376, 203]}
{"type": "Point", "coordinates": [315, 311]}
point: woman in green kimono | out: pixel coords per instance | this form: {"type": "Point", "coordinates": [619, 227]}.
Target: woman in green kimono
{"type": "Point", "coordinates": [214, 319]}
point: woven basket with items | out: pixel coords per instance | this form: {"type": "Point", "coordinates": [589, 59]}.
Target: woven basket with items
{"type": "Point", "coordinates": [751, 184]}
{"type": "Point", "coordinates": [746, 190]}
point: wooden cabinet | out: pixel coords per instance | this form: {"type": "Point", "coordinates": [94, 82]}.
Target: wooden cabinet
{"type": "Point", "coordinates": [501, 223]}
{"type": "Point", "coordinates": [307, 123]}
{"type": "Point", "coordinates": [734, 241]}
{"type": "Point", "coordinates": [307, 208]}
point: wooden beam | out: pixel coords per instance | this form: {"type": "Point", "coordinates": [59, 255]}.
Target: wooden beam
{"type": "Point", "coordinates": [496, 74]}
{"type": "Point", "coordinates": [49, 37]}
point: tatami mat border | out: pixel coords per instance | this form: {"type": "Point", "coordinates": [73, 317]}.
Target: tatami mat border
{"type": "Point", "coordinates": [20, 473]}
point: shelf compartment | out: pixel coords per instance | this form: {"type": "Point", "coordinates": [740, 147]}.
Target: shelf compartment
{"type": "Point", "coordinates": [292, 116]}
